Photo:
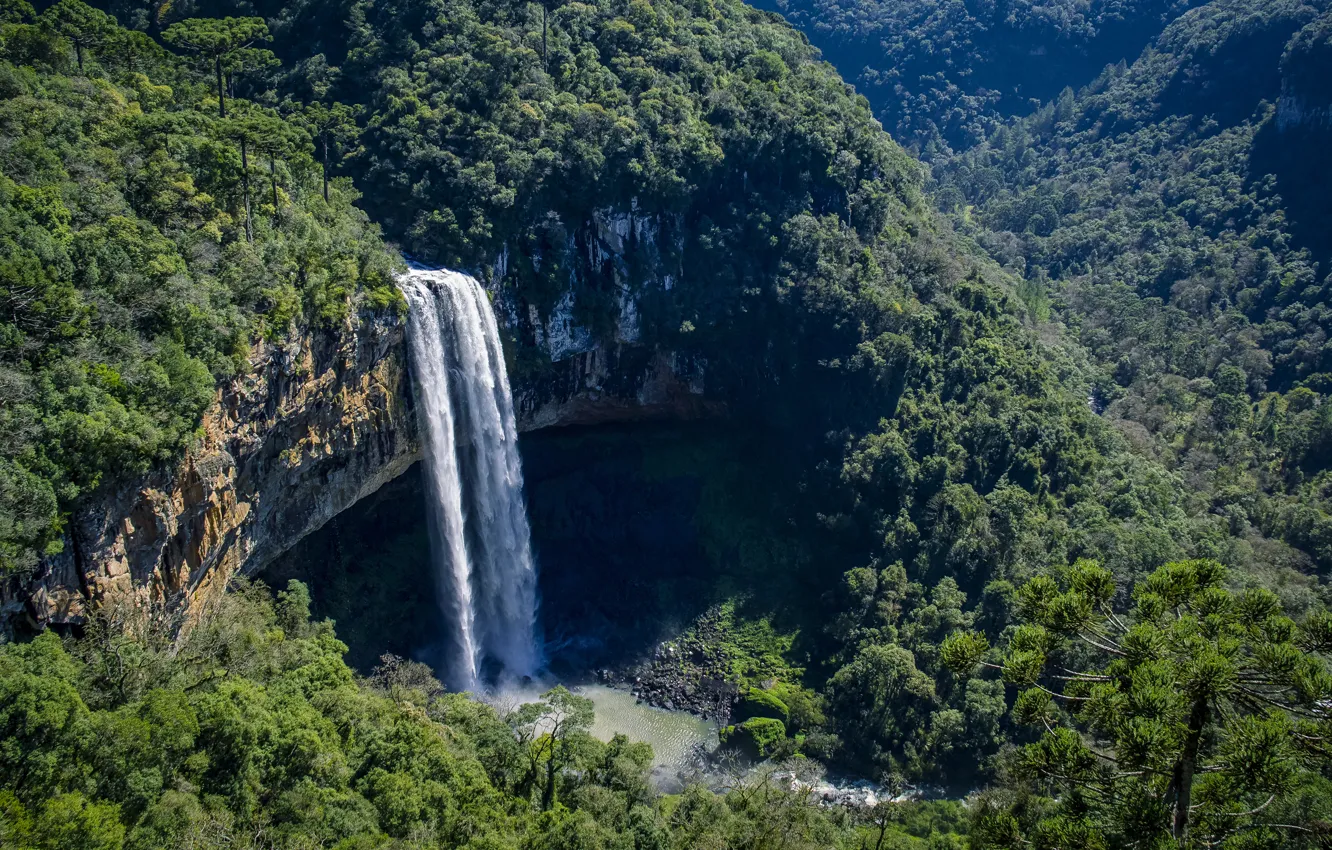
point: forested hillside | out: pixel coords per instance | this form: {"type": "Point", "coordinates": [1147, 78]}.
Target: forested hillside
{"type": "Point", "coordinates": [143, 247]}
{"type": "Point", "coordinates": [1167, 210]}
{"type": "Point", "coordinates": [947, 435]}
{"type": "Point", "coordinates": [1168, 213]}
{"type": "Point", "coordinates": [943, 75]}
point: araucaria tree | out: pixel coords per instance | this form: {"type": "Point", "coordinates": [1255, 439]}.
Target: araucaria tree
{"type": "Point", "coordinates": [255, 130]}
{"type": "Point", "coordinates": [84, 26]}
{"type": "Point", "coordinates": [330, 126]}
{"type": "Point", "coordinates": [1198, 718]}
{"type": "Point", "coordinates": [217, 41]}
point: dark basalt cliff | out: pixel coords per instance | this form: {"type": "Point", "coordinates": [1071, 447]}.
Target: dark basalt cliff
{"type": "Point", "coordinates": [319, 422]}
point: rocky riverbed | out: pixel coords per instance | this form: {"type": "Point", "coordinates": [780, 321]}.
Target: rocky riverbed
{"type": "Point", "coordinates": [690, 673]}
{"type": "Point", "coordinates": [686, 750]}
{"type": "Point", "coordinates": [693, 673]}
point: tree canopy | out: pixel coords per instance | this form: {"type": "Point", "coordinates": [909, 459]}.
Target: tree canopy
{"type": "Point", "coordinates": [251, 732]}
{"type": "Point", "coordinates": [1196, 718]}
{"type": "Point", "coordinates": [222, 45]}
{"type": "Point", "coordinates": [127, 287]}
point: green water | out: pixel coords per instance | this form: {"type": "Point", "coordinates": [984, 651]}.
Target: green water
{"type": "Point", "coordinates": [674, 735]}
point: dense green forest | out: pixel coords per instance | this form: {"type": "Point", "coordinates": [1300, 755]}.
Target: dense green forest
{"type": "Point", "coordinates": [1113, 351]}
{"type": "Point", "coordinates": [252, 732]}
{"type": "Point", "coordinates": [888, 361]}
{"type": "Point", "coordinates": [1165, 214]}
{"type": "Point", "coordinates": [147, 243]}
{"type": "Point", "coordinates": [943, 75]}
{"type": "Point", "coordinates": [1169, 214]}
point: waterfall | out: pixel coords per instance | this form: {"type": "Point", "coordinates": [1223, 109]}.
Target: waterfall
{"type": "Point", "coordinates": [479, 536]}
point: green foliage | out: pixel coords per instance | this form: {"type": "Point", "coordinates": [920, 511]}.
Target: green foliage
{"type": "Point", "coordinates": [942, 450]}
{"type": "Point", "coordinates": [882, 704]}
{"type": "Point", "coordinates": [249, 731]}
{"type": "Point", "coordinates": [943, 75]}
{"type": "Point", "coordinates": [1175, 224]}
{"type": "Point", "coordinates": [760, 736]}
{"type": "Point", "coordinates": [761, 703]}
{"type": "Point", "coordinates": [331, 126]}
{"type": "Point", "coordinates": [84, 26]}
{"type": "Point", "coordinates": [933, 825]}
{"type": "Point", "coordinates": [1179, 223]}
{"type": "Point", "coordinates": [961, 651]}
{"type": "Point", "coordinates": [127, 290]}
{"type": "Point", "coordinates": [222, 45]}
{"type": "Point", "coordinates": [1204, 706]}
{"type": "Point", "coordinates": [932, 447]}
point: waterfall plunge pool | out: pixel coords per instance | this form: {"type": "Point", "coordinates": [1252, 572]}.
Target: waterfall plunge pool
{"type": "Point", "coordinates": [682, 743]}
{"type": "Point", "coordinates": [678, 738]}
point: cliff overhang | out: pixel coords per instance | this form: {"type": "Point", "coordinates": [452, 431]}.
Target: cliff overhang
{"type": "Point", "coordinates": [317, 423]}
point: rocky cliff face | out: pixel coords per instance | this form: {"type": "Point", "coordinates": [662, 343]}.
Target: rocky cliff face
{"type": "Point", "coordinates": [318, 423]}
{"type": "Point", "coordinates": [590, 378]}
{"type": "Point", "coordinates": [1295, 112]}
{"type": "Point", "coordinates": [1306, 68]}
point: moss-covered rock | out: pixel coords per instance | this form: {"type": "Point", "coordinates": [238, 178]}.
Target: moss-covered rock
{"type": "Point", "coordinates": [804, 707]}
{"type": "Point", "coordinates": [759, 703]}
{"type": "Point", "coordinates": [758, 736]}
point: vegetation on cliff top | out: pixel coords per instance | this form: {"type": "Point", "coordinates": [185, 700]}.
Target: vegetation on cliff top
{"type": "Point", "coordinates": [145, 242]}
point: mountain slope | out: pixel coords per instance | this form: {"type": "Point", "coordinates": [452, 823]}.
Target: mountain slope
{"type": "Point", "coordinates": [927, 437]}
{"type": "Point", "coordinates": [943, 75]}
{"type": "Point", "coordinates": [1156, 208]}
{"type": "Point", "coordinates": [127, 284]}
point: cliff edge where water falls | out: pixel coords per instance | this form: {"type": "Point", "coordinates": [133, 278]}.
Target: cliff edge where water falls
{"type": "Point", "coordinates": [320, 421]}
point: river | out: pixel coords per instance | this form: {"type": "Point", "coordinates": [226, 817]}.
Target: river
{"type": "Point", "coordinates": [678, 738]}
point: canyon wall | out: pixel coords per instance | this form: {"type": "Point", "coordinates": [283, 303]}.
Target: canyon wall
{"type": "Point", "coordinates": [317, 423]}
{"type": "Point", "coordinates": [1306, 69]}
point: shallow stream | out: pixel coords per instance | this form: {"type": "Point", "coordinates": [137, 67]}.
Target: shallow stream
{"type": "Point", "coordinates": [676, 736]}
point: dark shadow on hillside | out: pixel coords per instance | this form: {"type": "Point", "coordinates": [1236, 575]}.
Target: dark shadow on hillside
{"type": "Point", "coordinates": [637, 530]}
{"type": "Point", "coordinates": [1227, 78]}
{"type": "Point", "coordinates": [1001, 60]}
{"type": "Point", "coordinates": [369, 570]}
{"type": "Point", "coordinates": [1295, 157]}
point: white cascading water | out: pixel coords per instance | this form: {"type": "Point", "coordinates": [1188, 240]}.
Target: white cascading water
{"type": "Point", "coordinates": [479, 535]}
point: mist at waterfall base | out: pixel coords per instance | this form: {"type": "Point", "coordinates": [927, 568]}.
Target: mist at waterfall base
{"type": "Point", "coordinates": [639, 527]}
{"type": "Point", "coordinates": [480, 540]}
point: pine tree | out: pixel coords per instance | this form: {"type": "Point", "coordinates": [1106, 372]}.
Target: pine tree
{"type": "Point", "coordinates": [330, 126]}
{"type": "Point", "coordinates": [1185, 720]}
{"type": "Point", "coordinates": [217, 41]}
{"type": "Point", "coordinates": [260, 132]}
{"type": "Point", "coordinates": [84, 26]}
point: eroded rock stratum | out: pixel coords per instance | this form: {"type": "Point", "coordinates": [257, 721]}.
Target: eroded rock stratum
{"type": "Point", "coordinates": [317, 423]}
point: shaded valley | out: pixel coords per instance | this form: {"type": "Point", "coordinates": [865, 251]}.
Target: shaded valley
{"type": "Point", "coordinates": [637, 531]}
